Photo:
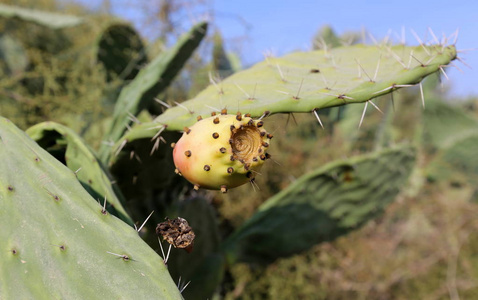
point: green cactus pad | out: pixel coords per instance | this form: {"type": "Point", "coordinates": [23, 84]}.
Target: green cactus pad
{"type": "Point", "coordinates": [68, 147]}
{"type": "Point", "coordinates": [149, 82]}
{"type": "Point", "coordinates": [143, 166]}
{"type": "Point", "coordinates": [308, 81]}
{"type": "Point", "coordinates": [456, 162]}
{"type": "Point", "coordinates": [56, 243]}
{"type": "Point", "coordinates": [13, 56]}
{"type": "Point", "coordinates": [443, 124]}
{"type": "Point", "coordinates": [43, 18]}
{"type": "Point", "coordinates": [322, 205]}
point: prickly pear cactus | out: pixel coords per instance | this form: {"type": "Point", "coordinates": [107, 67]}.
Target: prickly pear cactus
{"type": "Point", "coordinates": [13, 56]}
{"type": "Point", "coordinates": [456, 162]}
{"type": "Point", "coordinates": [222, 152]}
{"type": "Point", "coordinates": [68, 147]}
{"type": "Point", "coordinates": [306, 82]}
{"type": "Point", "coordinates": [450, 133]}
{"type": "Point", "coordinates": [43, 18]}
{"type": "Point", "coordinates": [321, 206]}
{"type": "Point", "coordinates": [149, 82]}
{"type": "Point", "coordinates": [57, 242]}
{"type": "Point", "coordinates": [444, 124]}
{"type": "Point", "coordinates": [309, 81]}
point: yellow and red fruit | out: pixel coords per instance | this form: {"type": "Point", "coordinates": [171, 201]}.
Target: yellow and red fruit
{"type": "Point", "coordinates": [222, 151]}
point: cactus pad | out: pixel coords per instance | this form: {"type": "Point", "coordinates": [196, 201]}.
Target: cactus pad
{"type": "Point", "coordinates": [309, 81]}
{"type": "Point", "coordinates": [43, 18]}
{"type": "Point", "coordinates": [321, 206]}
{"type": "Point", "coordinates": [68, 147]}
{"type": "Point", "coordinates": [457, 161]}
{"type": "Point", "coordinates": [444, 124]}
{"type": "Point", "coordinates": [306, 82]}
{"type": "Point", "coordinates": [150, 81]}
{"type": "Point", "coordinates": [57, 242]}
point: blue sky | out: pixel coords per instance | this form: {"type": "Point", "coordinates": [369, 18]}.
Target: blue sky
{"type": "Point", "coordinates": [285, 26]}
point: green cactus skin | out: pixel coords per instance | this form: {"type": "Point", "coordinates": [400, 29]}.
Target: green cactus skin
{"type": "Point", "coordinates": [13, 56]}
{"type": "Point", "coordinates": [295, 82]}
{"type": "Point", "coordinates": [220, 60]}
{"type": "Point", "coordinates": [56, 243]}
{"type": "Point", "coordinates": [222, 151]}
{"type": "Point", "coordinates": [149, 82]}
{"type": "Point", "coordinates": [113, 43]}
{"type": "Point", "coordinates": [443, 124]}
{"type": "Point", "coordinates": [141, 168]}
{"type": "Point", "coordinates": [450, 133]}
{"type": "Point", "coordinates": [326, 38]}
{"type": "Point", "coordinates": [68, 147]}
{"type": "Point", "coordinates": [307, 82]}
{"type": "Point", "coordinates": [456, 162]}
{"type": "Point", "coordinates": [43, 18]}
{"type": "Point", "coordinates": [321, 206]}
{"type": "Point", "coordinates": [120, 50]}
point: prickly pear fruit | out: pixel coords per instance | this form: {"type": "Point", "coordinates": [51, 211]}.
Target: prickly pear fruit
{"type": "Point", "coordinates": [222, 151]}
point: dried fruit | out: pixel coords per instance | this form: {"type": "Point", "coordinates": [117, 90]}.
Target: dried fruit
{"type": "Point", "coordinates": [222, 151]}
{"type": "Point", "coordinates": [177, 232]}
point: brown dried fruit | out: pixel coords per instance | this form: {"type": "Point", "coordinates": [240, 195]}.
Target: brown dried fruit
{"type": "Point", "coordinates": [177, 232]}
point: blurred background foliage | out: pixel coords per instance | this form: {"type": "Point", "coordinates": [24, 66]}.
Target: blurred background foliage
{"type": "Point", "coordinates": [425, 245]}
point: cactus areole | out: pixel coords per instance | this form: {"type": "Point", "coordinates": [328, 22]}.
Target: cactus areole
{"type": "Point", "coordinates": [222, 151]}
